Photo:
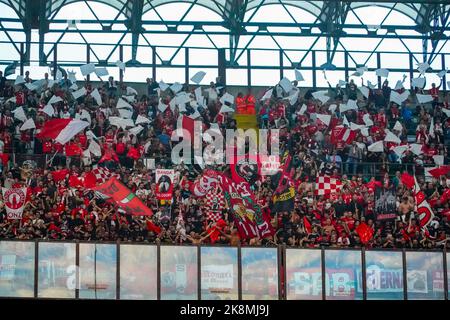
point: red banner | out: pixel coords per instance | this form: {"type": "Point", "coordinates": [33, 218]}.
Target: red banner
{"type": "Point", "coordinates": [123, 197]}
{"type": "Point", "coordinates": [246, 212]}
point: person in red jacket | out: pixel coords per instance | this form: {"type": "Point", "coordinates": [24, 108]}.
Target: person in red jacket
{"type": "Point", "coordinates": [241, 104]}
{"type": "Point", "coordinates": [250, 104]}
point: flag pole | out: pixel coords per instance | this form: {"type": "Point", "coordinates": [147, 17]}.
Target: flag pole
{"type": "Point", "coordinates": [51, 159]}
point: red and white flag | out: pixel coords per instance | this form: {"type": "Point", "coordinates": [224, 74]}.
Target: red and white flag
{"type": "Point", "coordinates": [98, 176]}
{"type": "Point", "coordinates": [424, 210]}
{"type": "Point", "coordinates": [214, 203]}
{"type": "Point", "coordinates": [326, 185]}
{"type": "Point", "coordinates": [341, 133]}
{"type": "Point", "coordinates": [62, 130]}
{"type": "Point", "coordinates": [14, 199]}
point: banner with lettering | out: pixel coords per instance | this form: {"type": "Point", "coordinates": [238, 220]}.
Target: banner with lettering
{"type": "Point", "coordinates": [14, 199]}
{"type": "Point", "coordinates": [164, 183]}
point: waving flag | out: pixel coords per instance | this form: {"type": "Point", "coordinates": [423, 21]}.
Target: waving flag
{"type": "Point", "coordinates": [123, 197]}
{"type": "Point", "coordinates": [341, 133]}
{"type": "Point", "coordinates": [283, 198]}
{"type": "Point", "coordinates": [326, 185]}
{"type": "Point", "coordinates": [62, 130]}
{"type": "Point", "coordinates": [97, 176]}
{"type": "Point", "coordinates": [424, 210]}
{"type": "Point", "coordinates": [215, 202]}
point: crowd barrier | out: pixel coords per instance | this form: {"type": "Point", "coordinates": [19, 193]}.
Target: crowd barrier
{"type": "Point", "coordinates": [91, 270]}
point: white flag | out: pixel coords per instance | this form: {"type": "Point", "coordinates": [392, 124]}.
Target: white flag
{"type": "Point", "coordinates": [225, 109]}
{"type": "Point", "coordinates": [376, 147]}
{"type": "Point", "coordinates": [121, 65]}
{"type": "Point", "coordinates": [96, 95]}
{"type": "Point", "coordinates": [131, 91]}
{"type": "Point", "coordinates": [384, 73]}
{"type": "Point", "coordinates": [54, 99]}
{"type": "Point", "coordinates": [325, 118]}
{"type": "Point", "coordinates": [136, 130]}
{"type": "Point", "coordinates": [390, 137]}
{"type": "Point", "coordinates": [398, 126]}
{"type": "Point", "coordinates": [162, 107]}
{"type": "Point", "coordinates": [416, 148]}
{"type": "Point", "coordinates": [48, 109]}
{"type": "Point", "coordinates": [125, 113]}
{"type": "Point", "coordinates": [198, 77]}
{"type": "Point", "coordinates": [176, 87]}
{"type": "Point", "coordinates": [19, 80]}
{"type": "Point", "coordinates": [29, 124]}
{"type": "Point", "coordinates": [19, 114]}
{"type": "Point", "coordinates": [87, 69]}
{"type": "Point", "coordinates": [141, 119]}
{"type": "Point", "coordinates": [418, 82]}
{"type": "Point", "coordinates": [267, 95]}
{"type": "Point", "coordinates": [286, 84]}
{"type": "Point", "coordinates": [446, 111]}
{"type": "Point", "coordinates": [101, 72]}
{"type": "Point", "coordinates": [298, 75]}
{"type": "Point", "coordinates": [302, 109]}
{"type": "Point", "coordinates": [122, 104]}
{"type": "Point", "coordinates": [79, 93]}
{"type": "Point", "coordinates": [422, 67]}
{"type": "Point", "coordinates": [354, 126]}
{"type": "Point", "coordinates": [95, 149]}
{"type": "Point", "coordinates": [365, 91]}
{"type": "Point", "coordinates": [424, 98]}
{"type": "Point", "coordinates": [367, 120]}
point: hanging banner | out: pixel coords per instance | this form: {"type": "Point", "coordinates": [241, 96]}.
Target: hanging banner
{"type": "Point", "coordinates": [385, 204]}
{"type": "Point", "coordinates": [164, 183]}
{"type": "Point", "coordinates": [14, 202]}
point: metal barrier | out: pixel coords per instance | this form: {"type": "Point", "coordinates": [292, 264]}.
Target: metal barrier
{"type": "Point", "coordinates": [92, 270]}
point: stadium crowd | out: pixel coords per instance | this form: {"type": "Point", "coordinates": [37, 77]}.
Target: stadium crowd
{"type": "Point", "coordinates": [57, 210]}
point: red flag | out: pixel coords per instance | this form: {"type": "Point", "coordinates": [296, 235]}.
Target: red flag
{"type": "Point", "coordinates": [75, 182]}
{"type": "Point", "coordinates": [408, 180]}
{"type": "Point", "coordinates": [365, 232]}
{"type": "Point", "coordinates": [90, 180]}
{"type": "Point", "coordinates": [186, 123]}
{"type": "Point", "coordinates": [153, 227]}
{"type": "Point", "coordinates": [59, 175]}
{"type": "Point", "coordinates": [123, 197]}
{"type": "Point", "coordinates": [307, 225]}
{"type": "Point", "coordinates": [4, 158]}
{"type": "Point", "coordinates": [220, 224]}
{"type": "Point", "coordinates": [445, 196]}
{"type": "Point", "coordinates": [441, 171]}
